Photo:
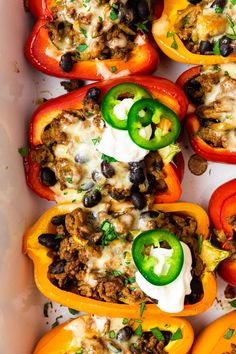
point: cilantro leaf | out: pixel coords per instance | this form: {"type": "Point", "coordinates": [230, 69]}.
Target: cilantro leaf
{"type": "Point", "coordinates": [23, 151]}
{"type": "Point", "coordinates": [157, 334]}
{"type": "Point", "coordinates": [229, 334]}
{"type": "Point", "coordinates": [177, 335]}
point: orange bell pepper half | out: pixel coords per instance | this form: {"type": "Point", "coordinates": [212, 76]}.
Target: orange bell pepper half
{"type": "Point", "coordinates": [161, 89]}
{"type": "Point", "coordinates": [143, 59]}
{"type": "Point", "coordinates": [41, 260]}
{"type": "Point", "coordinates": [164, 26]}
{"type": "Point", "coordinates": [62, 339]}
{"type": "Point", "coordinates": [217, 337]}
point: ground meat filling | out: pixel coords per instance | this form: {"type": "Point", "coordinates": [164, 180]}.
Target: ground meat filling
{"type": "Point", "coordinates": [94, 29]}
{"type": "Point", "coordinates": [207, 27]}
{"type": "Point", "coordinates": [233, 351]}
{"type": "Point", "coordinates": [91, 254]}
{"type": "Point", "coordinates": [213, 92]}
{"type": "Point", "coordinates": [75, 170]}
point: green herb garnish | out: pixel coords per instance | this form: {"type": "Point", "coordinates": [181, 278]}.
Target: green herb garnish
{"type": "Point", "coordinates": [108, 158]}
{"type": "Point", "coordinates": [139, 331]}
{"type": "Point", "coordinates": [68, 179]}
{"type": "Point", "coordinates": [174, 44]}
{"type": "Point", "coordinates": [177, 335]}
{"type": "Point", "coordinates": [56, 323]}
{"type": "Point", "coordinates": [112, 334]}
{"type": "Point", "coordinates": [199, 243]}
{"type": "Point", "coordinates": [157, 334]}
{"type": "Point", "coordinates": [233, 303]}
{"type": "Point", "coordinates": [142, 308]}
{"type": "Point", "coordinates": [46, 308]}
{"type": "Point", "coordinates": [113, 14]}
{"type": "Point", "coordinates": [113, 69]}
{"type": "Point", "coordinates": [229, 334]}
{"type": "Point", "coordinates": [117, 273]}
{"type": "Point", "coordinates": [82, 47]}
{"type": "Point", "coordinates": [83, 31]}
{"type": "Point", "coordinates": [216, 48]}
{"type": "Point", "coordinates": [80, 351]}
{"type": "Point", "coordinates": [109, 233]}
{"type": "Point", "coordinates": [96, 140]}
{"type": "Point", "coordinates": [72, 311]}
{"type": "Point", "coordinates": [23, 151]}
{"type": "Point", "coordinates": [141, 26]}
{"type": "Point", "coordinates": [218, 10]}
{"type": "Point", "coordinates": [125, 321]}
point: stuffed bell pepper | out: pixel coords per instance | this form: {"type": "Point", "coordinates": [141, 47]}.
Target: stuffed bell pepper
{"type": "Point", "coordinates": [222, 210]}
{"type": "Point", "coordinates": [125, 262]}
{"type": "Point", "coordinates": [104, 335]}
{"type": "Point", "coordinates": [92, 39]}
{"type": "Point", "coordinates": [212, 126]}
{"type": "Point", "coordinates": [219, 337]}
{"type": "Point", "coordinates": [111, 140]}
{"type": "Point", "coordinates": [197, 31]}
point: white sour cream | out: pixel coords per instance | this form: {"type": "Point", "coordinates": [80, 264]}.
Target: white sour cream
{"type": "Point", "coordinates": [121, 110]}
{"type": "Point", "coordinates": [171, 296]}
{"type": "Point", "coordinates": [117, 143]}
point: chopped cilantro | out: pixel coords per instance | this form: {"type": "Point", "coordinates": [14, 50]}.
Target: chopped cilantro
{"type": "Point", "coordinates": [142, 308]}
{"type": "Point", "coordinates": [218, 10]}
{"type": "Point", "coordinates": [109, 233]}
{"type": "Point", "coordinates": [199, 243]}
{"type": "Point", "coordinates": [108, 158]}
{"type": "Point", "coordinates": [46, 308]}
{"type": "Point", "coordinates": [141, 26]}
{"type": "Point", "coordinates": [233, 303]}
{"type": "Point", "coordinates": [80, 351]}
{"type": "Point", "coordinates": [112, 334]}
{"type": "Point", "coordinates": [117, 273]}
{"type": "Point", "coordinates": [72, 311]}
{"type": "Point", "coordinates": [125, 321]}
{"type": "Point", "coordinates": [59, 236]}
{"type": "Point", "coordinates": [216, 67]}
{"type": "Point", "coordinates": [23, 151]}
{"type": "Point", "coordinates": [73, 200]}
{"type": "Point", "coordinates": [229, 334]}
{"type": "Point", "coordinates": [157, 334]}
{"type": "Point", "coordinates": [65, 193]}
{"type": "Point", "coordinates": [177, 335]}
{"type": "Point", "coordinates": [232, 26]}
{"type": "Point", "coordinates": [226, 73]}
{"type": "Point", "coordinates": [82, 47]}
{"type": "Point", "coordinates": [216, 48]}
{"type": "Point", "coordinates": [56, 323]}
{"type": "Point", "coordinates": [68, 179]}
{"type": "Point", "coordinates": [113, 69]}
{"type": "Point", "coordinates": [233, 2]}
{"type": "Point", "coordinates": [84, 33]}
{"type": "Point", "coordinates": [139, 331]}
{"type": "Point", "coordinates": [96, 140]}
{"type": "Point", "coordinates": [100, 18]}
{"type": "Point", "coordinates": [113, 14]}
{"type": "Point", "coordinates": [169, 34]}
{"type": "Point", "coordinates": [132, 280]}
{"type": "Point", "coordinates": [174, 44]}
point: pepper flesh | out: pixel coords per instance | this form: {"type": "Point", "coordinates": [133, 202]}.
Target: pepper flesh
{"type": "Point", "coordinates": [146, 263]}
{"type": "Point", "coordinates": [158, 111]}
{"type": "Point", "coordinates": [60, 339]}
{"type": "Point", "coordinates": [211, 340]}
{"type": "Point", "coordinates": [142, 60]}
{"type": "Point", "coordinates": [193, 125]}
{"type": "Point", "coordinates": [222, 206]}
{"type": "Point", "coordinates": [180, 53]}
{"type": "Point", "coordinates": [164, 90]}
{"type": "Point", "coordinates": [39, 256]}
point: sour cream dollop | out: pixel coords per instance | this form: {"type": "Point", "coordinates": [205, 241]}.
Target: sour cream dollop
{"type": "Point", "coordinates": [171, 296]}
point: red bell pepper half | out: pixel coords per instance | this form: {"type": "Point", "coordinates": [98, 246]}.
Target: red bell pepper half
{"type": "Point", "coordinates": [143, 59]}
{"type": "Point", "coordinates": [163, 90]}
{"type": "Point", "coordinates": [222, 208]}
{"type": "Point", "coordinates": [193, 125]}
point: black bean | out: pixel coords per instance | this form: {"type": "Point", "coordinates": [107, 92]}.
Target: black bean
{"type": "Point", "coordinates": [107, 169]}
{"type": "Point", "coordinates": [49, 241]}
{"type": "Point", "coordinates": [139, 200]}
{"type": "Point", "coordinates": [143, 10]}
{"type": "Point", "coordinates": [58, 220]}
{"type": "Point", "coordinates": [219, 3]}
{"type": "Point", "coordinates": [205, 47]}
{"type": "Point", "coordinates": [167, 335]}
{"type": "Point", "coordinates": [193, 90]}
{"type": "Point", "coordinates": [117, 196]}
{"type": "Point", "coordinates": [93, 93]}
{"type": "Point", "coordinates": [96, 175]}
{"type": "Point", "coordinates": [66, 62]}
{"type": "Point", "coordinates": [48, 177]}
{"type": "Point", "coordinates": [92, 198]}
{"type": "Point", "coordinates": [61, 26]}
{"type": "Point", "coordinates": [137, 164]}
{"type": "Point", "coordinates": [197, 290]}
{"type": "Point", "coordinates": [194, 2]}
{"type": "Point", "coordinates": [206, 122]}
{"type": "Point", "coordinates": [137, 176]}
{"type": "Point", "coordinates": [149, 214]}
{"type": "Point", "coordinates": [151, 183]}
{"type": "Point", "coordinates": [124, 334]}
{"type": "Point", "coordinates": [225, 46]}
{"type": "Point", "coordinates": [158, 165]}
{"type": "Point", "coordinates": [128, 15]}
{"type": "Point", "coordinates": [57, 267]}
